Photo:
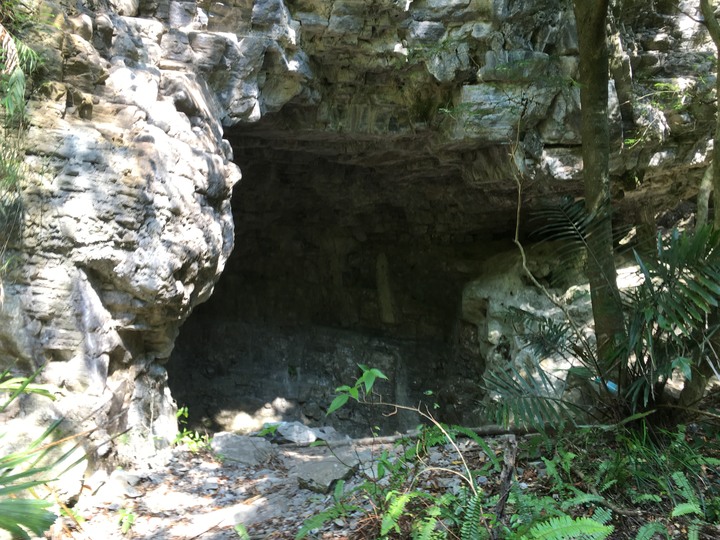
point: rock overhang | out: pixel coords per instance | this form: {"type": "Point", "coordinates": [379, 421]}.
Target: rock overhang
{"type": "Point", "coordinates": [382, 144]}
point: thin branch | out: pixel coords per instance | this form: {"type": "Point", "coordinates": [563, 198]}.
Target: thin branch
{"type": "Point", "coordinates": [523, 256]}
{"type": "Point", "coordinates": [506, 477]}
{"type": "Point", "coordinates": [710, 22]}
{"type": "Point", "coordinates": [691, 17]}
{"type": "Point", "coordinates": [691, 410]}
{"type": "Point", "coordinates": [612, 506]}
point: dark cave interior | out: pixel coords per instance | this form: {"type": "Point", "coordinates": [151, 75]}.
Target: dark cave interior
{"type": "Point", "coordinates": [352, 249]}
{"type": "Point", "coordinates": [347, 251]}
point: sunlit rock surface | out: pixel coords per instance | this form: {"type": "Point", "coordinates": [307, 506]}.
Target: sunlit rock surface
{"type": "Point", "coordinates": [125, 224]}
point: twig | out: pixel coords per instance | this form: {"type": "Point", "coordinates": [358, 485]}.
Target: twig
{"type": "Point", "coordinates": [691, 410]}
{"type": "Point", "coordinates": [491, 430]}
{"type": "Point", "coordinates": [506, 477]}
{"type": "Point", "coordinates": [483, 431]}
{"type": "Point", "coordinates": [612, 506]}
{"type": "Point", "coordinates": [516, 240]}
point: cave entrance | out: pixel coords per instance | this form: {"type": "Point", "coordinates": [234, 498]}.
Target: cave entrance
{"type": "Point", "coordinates": [347, 251]}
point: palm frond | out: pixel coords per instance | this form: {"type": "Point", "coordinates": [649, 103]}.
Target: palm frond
{"type": "Point", "coordinates": [27, 468]}
{"type": "Point", "coordinates": [13, 93]}
{"type": "Point", "coordinates": [19, 515]}
{"type": "Point", "coordinates": [570, 226]}
{"type": "Point", "coordinates": [543, 335]}
{"type": "Point", "coordinates": [670, 315]}
{"type": "Point", "coordinates": [568, 222]}
{"type": "Point", "coordinates": [525, 400]}
{"type": "Point", "coordinates": [670, 321]}
{"type": "Point", "coordinates": [17, 61]}
{"type": "Point", "coordinates": [28, 59]}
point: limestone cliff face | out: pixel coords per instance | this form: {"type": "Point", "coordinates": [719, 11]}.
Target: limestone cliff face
{"type": "Point", "coordinates": [125, 224]}
{"type": "Point", "coordinates": [126, 221]}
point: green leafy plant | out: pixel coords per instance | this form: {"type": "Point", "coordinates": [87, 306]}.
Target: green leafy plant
{"type": "Point", "coordinates": [389, 492]}
{"type": "Point", "coordinates": [242, 531]}
{"type": "Point", "coordinates": [591, 475]}
{"type": "Point", "coordinates": [126, 520]}
{"type": "Point", "coordinates": [400, 509]}
{"type": "Point", "coordinates": [17, 63]}
{"type": "Point", "coordinates": [192, 439]}
{"type": "Point", "coordinates": [364, 383]}
{"type": "Point", "coordinates": [21, 385]}
{"type": "Point", "coordinates": [527, 510]}
{"type": "Point", "coordinates": [13, 14]}
{"type": "Point", "coordinates": [340, 508]}
{"type": "Point", "coordinates": [671, 326]}
{"type": "Point", "coordinates": [668, 474]}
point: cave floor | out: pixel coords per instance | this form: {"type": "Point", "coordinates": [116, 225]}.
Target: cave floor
{"type": "Point", "coordinates": [200, 495]}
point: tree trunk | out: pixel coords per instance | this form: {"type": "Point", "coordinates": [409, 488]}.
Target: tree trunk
{"type": "Point", "coordinates": [591, 17]}
{"type": "Point", "coordinates": [714, 29]}
{"type": "Point", "coordinates": [694, 389]}
{"type": "Point", "coordinates": [704, 191]}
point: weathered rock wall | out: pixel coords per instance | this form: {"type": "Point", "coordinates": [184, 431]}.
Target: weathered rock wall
{"type": "Point", "coordinates": [125, 225]}
{"type": "Point", "coordinates": [376, 137]}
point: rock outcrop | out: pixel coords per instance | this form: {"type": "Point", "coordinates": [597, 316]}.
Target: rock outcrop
{"type": "Point", "coordinates": [380, 142]}
{"type": "Point", "coordinates": [383, 190]}
{"type": "Point", "coordinates": [125, 225]}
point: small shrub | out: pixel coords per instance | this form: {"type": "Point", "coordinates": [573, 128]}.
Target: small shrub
{"type": "Point", "coordinates": [194, 441]}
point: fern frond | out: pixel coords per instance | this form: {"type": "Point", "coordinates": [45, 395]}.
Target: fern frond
{"type": "Point", "coordinates": [686, 490]}
{"type": "Point", "coordinates": [602, 515]}
{"type": "Point", "coordinates": [425, 529]}
{"type": "Point", "coordinates": [639, 498]}
{"type": "Point", "coordinates": [649, 530]}
{"type": "Point", "coordinates": [471, 521]}
{"type": "Point", "coordinates": [607, 485]}
{"type": "Point", "coordinates": [398, 502]}
{"type": "Point", "coordinates": [567, 528]}
{"type": "Point", "coordinates": [683, 509]}
{"type": "Point", "coordinates": [318, 520]}
{"type": "Point", "coordinates": [582, 498]}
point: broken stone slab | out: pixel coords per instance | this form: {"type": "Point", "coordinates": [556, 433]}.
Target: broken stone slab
{"type": "Point", "coordinates": [296, 432]}
{"type": "Point", "coordinates": [249, 451]}
{"type": "Point", "coordinates": [116, 487]}
{"type": "Point", "coordinates": [319, 470]}
{"type": "Point", "coordinates": [330, 435]}
{"type": "Point", "coordinates": [299, 433]}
